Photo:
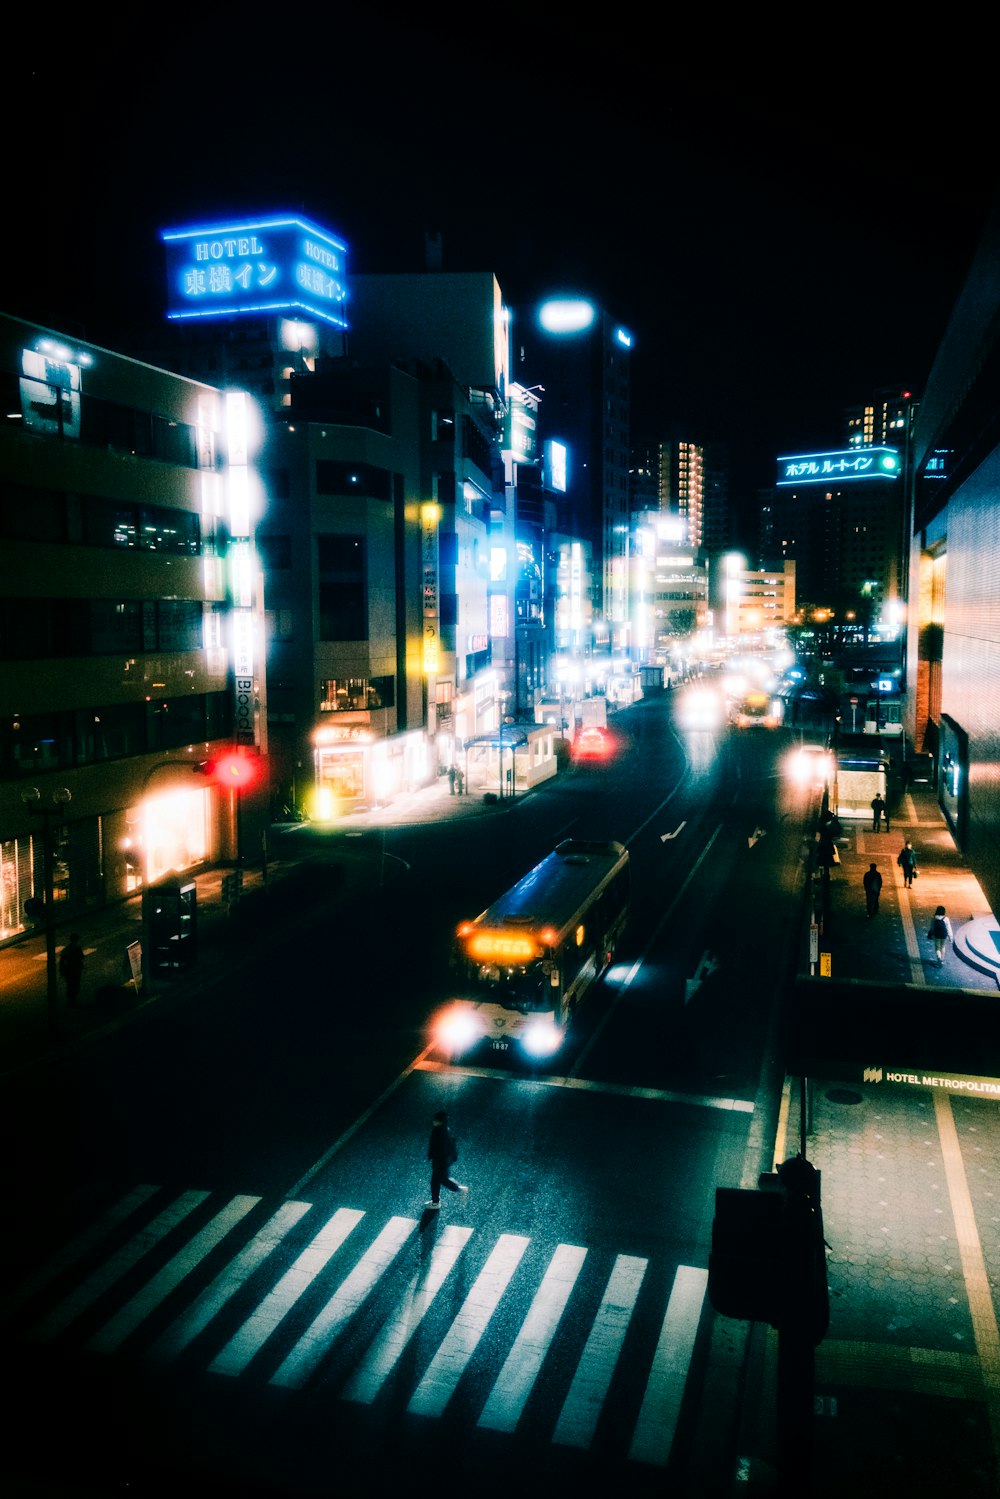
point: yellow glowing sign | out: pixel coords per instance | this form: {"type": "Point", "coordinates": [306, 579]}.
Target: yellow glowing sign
{"type": "Point", "coordinates": [501, 947]}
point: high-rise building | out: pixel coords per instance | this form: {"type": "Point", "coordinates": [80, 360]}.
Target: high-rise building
{"type": "Point", "coordinates": [682, 486]}
{"type": "Point", "coordinates": [580, 356]}
{"type": "Point", "coordinates": [884, 420]}
{"type": "Point", "coordinates": [839, 517]}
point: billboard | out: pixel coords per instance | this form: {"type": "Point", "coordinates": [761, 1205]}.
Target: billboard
{"type": "Point", "coordinates": [280, 263]}
{"type": "Point", "coordinates": [839, 467]}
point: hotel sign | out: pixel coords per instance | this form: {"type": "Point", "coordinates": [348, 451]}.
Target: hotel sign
{"type": "Point", "coordinates": [839, 467]}
{"type": "Point", "coordinates": [276, 264]}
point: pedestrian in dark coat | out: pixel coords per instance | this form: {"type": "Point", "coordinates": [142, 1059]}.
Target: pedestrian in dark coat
{"type": "Point", "coordinates": [442, 1152]}
{"type": "Point", "coordinates": [873, 889]}
{"type": "Point", "coordinates": [907, 861]}
{"type": "Point", "coordinates": [71, 968]}
{"type": "Point", "coordinates": [878, 812]}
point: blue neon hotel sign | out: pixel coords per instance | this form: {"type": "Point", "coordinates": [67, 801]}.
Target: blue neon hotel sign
{"type": "Point", "coordinates": [278, 264]}
{"type": "Point", "coordinates": [839, 467]}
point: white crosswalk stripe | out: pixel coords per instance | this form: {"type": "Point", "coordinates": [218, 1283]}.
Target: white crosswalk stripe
{"type": "Point", "coordinates": [185, 1328]}
{"type": "Point", "coordinates": [95, 1285]}
{"type": "Point", "coordinates": [184, 1262]}
{"type": "Point", "coordinates": [448, 1364]}
{"type": "Point", "coordinates": [323, 1329]}
{"type": "Point", "coordinates": [654, 1432]}
{"type": "Point", "coordinates": [258, 1328]}
{"type": "Point", "coordinates": [578, 1419]}
{"type": "Point", "coordinates": [258, 1288]}
{"type": "Point", "coordinates": [516, 1380]}
{"type": "Point", "coordinates": [382, 1358]}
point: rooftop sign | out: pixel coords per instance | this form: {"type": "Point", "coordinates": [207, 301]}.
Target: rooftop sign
{"type": "Point", "coordinates": [839, 467]}
{"type": "Point", "coordinates": [281, 263]}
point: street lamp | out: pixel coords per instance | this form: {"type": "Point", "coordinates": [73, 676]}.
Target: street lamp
{"type": "Point", "coordinates": [32, 799]}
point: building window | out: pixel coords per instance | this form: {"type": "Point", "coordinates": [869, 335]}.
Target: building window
{"type": "Point", "coordinates": [343, 605]}
{"type": "Point", "coordinates": [356, 694]}
{"type": "Point", "coordinates": [275, 552]}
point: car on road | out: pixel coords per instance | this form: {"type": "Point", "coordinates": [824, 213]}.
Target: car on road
{"type": "Point", "coordinates": [812, 765]}
{"type": "Point", "coordinates": [591, 744]}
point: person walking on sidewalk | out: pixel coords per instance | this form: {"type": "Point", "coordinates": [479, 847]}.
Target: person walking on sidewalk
{"type": "Point", "coordinates": [907, 861]}
{"type": "Point", "coordinates": [442, 1152]}
{"type": "Point", "coordinates": [873, 889]}
{"type": "Point", "coordinates": [879, 810]}
{"type": "Point", "coordinates": [939, 933]}
{"type": "Point", "coordinates": [71, 968]}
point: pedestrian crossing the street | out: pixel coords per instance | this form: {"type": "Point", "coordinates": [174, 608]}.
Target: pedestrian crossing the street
{"type": "Point", "coordinates": [270, 1295]}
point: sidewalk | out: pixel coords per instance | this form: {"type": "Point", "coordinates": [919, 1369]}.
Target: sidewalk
{"type": "Point", "coordinates": [907, 1378]}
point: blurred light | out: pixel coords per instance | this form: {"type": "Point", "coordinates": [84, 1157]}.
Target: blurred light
{"type": "Point", "coordinates": [566, 316]}
{"type": "Point", "coordinates": [541, 1038]}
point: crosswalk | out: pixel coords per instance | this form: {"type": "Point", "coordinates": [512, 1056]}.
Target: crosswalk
{"type": "Point", "coordinates": [245, 1291]}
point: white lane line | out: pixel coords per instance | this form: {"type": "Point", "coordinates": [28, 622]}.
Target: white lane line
{"type": "Point", "coordinates": [661, 1405]}
{"type": "Point", "coordinates": [148, 1297]}
{"type": "Point", "coordinates": [258, 1327]}
{"type": "Point", "coordinates": [346, 1300]}
{"type": "Point", "coordinates": [523, 1364]}
{"type": "Point", "coordinates": [462, 1338]}
{"type": "Point", "coordinates": [185, 1328]}
{"type": "Point", "coordinates": [382, 1357]}
{"type": "Point", "coordinates": [71, 1253]}
{"type": "Point", "coordinates": [105, 1276]}
{"type": "Point", "coordinates": [578, 1418]}
{"type": "Point", "coordinates": [585, 1085]}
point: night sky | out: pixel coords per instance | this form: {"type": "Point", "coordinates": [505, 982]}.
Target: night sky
{"type": "Point", "coordinates": [784, 223]}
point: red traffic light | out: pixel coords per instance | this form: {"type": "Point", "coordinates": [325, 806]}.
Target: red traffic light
{"type": "Point", "coordinates": [234, 770]}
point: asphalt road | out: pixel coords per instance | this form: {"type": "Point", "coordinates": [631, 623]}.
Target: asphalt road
{"type": "Point", "coordinates": [227, 1281]}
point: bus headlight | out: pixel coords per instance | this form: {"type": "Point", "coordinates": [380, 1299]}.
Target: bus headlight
{"type": "Point", "coordinates": [457, 1029]}
{"type": "Point", "coordinates": [541, 1038]}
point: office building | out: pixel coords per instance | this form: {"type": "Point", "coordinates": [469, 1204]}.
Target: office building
{"type": "Point", "coordinates": [131, 640]}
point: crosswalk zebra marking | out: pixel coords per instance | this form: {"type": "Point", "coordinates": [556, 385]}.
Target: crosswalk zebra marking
{"type": "Point", "coordinates": [71, 1253]}
{"type": "Point", "coordinates": [658, 1417]}
{"type": "Point", "coordinates": [462, 1338]}
{"type": "Point", "coordinates": [375, 1368]}
{"type": "Point", "coordinates": [323, 1329]}
{"type": "Point", "coordinates": [522, 1366]}
{"type": "Point", "coordinates": [187, 1259]}
{"type": "Point", "coordinates": [185, 1328]}
{"type": "Point", "coordinates": [131, 1254]}
{"type": "Point", "coordinates": [258, 1327]}
{"type": "Point", "coordinates": [661, 1405]}
{"type": "Point", "coordinates": [578, 1418]}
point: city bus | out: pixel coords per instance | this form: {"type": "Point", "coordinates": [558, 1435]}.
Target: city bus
{"type": "Point", "coordinates": [524, 964]}
{"type": "Point", "coordinates": [756, 710]}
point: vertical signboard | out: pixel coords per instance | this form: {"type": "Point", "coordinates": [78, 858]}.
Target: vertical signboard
{"type": "Point", "coordinates": [430, 516]}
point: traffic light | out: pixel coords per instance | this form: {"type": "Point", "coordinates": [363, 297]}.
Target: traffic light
{"type": "Point", "coordinates": [744, 1277]}
{"type": "Point", "coordinates": [233, 769]}
{"type": "Point", "coordinates": [768, 1256]}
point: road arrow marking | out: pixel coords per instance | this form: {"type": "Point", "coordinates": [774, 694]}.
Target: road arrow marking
{"type": "Point", "coordinates": [707, 965]}
{"type": "Point", "coordinates": [665, 837]}
{"type": "Point", "coordinates": [756, 836]}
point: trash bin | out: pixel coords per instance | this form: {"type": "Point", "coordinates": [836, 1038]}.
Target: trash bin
{"type": "Point", "coordinates": [173, 924]}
